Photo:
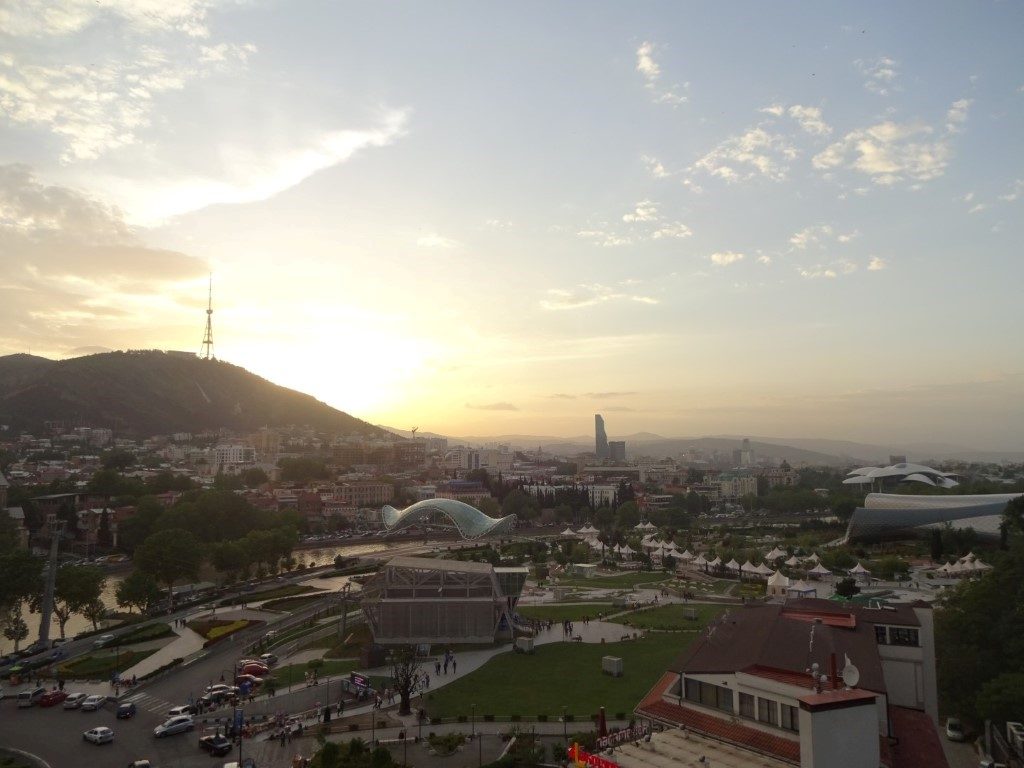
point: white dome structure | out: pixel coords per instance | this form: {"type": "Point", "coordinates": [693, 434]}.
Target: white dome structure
{"type": "Point", "coordinates": [904, 472]}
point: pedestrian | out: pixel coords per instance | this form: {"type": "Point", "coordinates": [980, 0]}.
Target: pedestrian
{"type": "Point", "coordinates": [437, 668]}
{"type": "Point", "coordinates": [453, 665]}
{"type": "Point", "coordinates": [446, 664]}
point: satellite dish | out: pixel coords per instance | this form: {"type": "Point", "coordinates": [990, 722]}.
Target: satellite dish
{"type": "Point", "coordinates": [851, 675]}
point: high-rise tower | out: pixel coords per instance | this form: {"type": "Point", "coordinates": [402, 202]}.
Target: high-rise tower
{"type": "Point", "coordinates": [206, 351]}
{"type": "Point", "coordinates": [601, 437]}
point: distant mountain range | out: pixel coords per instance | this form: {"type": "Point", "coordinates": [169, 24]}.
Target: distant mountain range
{"type": "Point", "coordinates": [151, 392]}
{"type": "Point", "coordinates": [795, 450]}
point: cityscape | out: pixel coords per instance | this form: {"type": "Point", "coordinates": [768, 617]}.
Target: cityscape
{"type": "Point", "coordinates": [544, 386]}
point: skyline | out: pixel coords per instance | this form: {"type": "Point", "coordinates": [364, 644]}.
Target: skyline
{"type": "Point", "coordinates": [695, 220]}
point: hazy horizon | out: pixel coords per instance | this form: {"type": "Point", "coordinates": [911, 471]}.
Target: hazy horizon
{"type": "Point", "coordinates": [484, 219]}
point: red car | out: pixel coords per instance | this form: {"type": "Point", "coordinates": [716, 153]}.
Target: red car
{"type": "Point", "coordinates": [256, 669]}
{"type": "Point", "coordinates": [251, 679]}
{"type": "Point", "coordinates": [52, 698]}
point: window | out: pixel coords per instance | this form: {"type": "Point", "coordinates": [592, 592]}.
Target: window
{"type": "Point", "coordinates": [880, 635]}
{"type": "Point", "coordinates": [693, 690]}
{"type": "Point", "coordinates": [903, 636]}
{"type": "Point", "coordinates": [746, 705]}
{"type": "Point", "coordinates": [724, 699]}
{"type": "Point", "coordinates": [790, 717]}
{"type": "Point", "coordinates": [708, 694]}
{"type": "Point", "coordinates": [767, 711]}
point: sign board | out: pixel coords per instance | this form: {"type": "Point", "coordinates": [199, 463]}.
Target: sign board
{"type": "Point", "coordinates": [626, 734]}
{"type": "Point", "coordinates": [239, 719]}
{"type": "Point", "coordinates": [586, 760]}
{"type": "Point", "coordinates": [360, 681]}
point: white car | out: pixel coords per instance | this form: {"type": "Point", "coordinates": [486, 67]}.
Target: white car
{"type": "Point", "coordinates": [173, 725]}
{"type": "Point", "coordinates": [74, 700]}
{"type": "Point", "coordinates": [218, 687]}
{"type": "Point", "coordinates": [954, 729]}
{"type": "Point", "coordinates": [99, 735]}
{"type": "Point", "coordinates": [102, 641]}
{"type": "Point", "coordinates": [184, 709]}
{"type": "Point", "coordinates": [92, 703]}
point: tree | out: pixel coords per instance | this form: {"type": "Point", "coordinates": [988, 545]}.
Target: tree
{"type": "Point", "coordinates": [405, 672]}
{"type": "Point", "coordinates": [168, 556]}
{"type": "Point", "coordinates": [627, 515]}
{"type": "Point", "coordinates": [518, 503]}
{"type": "Point", "coordinates": [94, 611]}
{"type": "Point", "coordinates": [1001, 698]}
{"type": "Point", "coordinates": [15, 628]}
{"type": "Point", "coordinates": [138, 590]}
{"type": "Point", "coordinates": [936, 545]}
{"type": "Point", "coordinates": [76, 587]}
{"type": "Point", "coordinates": [847, 588]}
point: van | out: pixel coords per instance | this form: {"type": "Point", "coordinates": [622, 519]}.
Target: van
{"type": "Point", "coordinates": [30, 697]}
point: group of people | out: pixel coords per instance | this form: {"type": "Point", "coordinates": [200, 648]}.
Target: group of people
{"type": "Point", "coordinates": [442, 667]}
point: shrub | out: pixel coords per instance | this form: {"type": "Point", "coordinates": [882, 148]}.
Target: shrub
{"type": "Point", "coordinates": [488, 718]}
{"type": "Point", "coordinates": [515, 718]}
{"type": "Point", "coordinates": [542, 718]}
{"type": "Point", "coordinates": [463, 718]}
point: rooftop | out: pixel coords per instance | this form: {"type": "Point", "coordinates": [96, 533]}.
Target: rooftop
{"type": "Point", "coordinates": [431, 564]}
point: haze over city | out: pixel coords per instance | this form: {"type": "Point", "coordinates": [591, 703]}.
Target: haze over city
{"type": "Point", "coordinates": [490, 219]}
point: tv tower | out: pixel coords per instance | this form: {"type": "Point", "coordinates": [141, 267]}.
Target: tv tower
{"type": "Point", "coordinates": [206, 351]}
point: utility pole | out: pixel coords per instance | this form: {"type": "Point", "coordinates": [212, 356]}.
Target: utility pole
{"type": "Point", "coordinates": [56, 531]}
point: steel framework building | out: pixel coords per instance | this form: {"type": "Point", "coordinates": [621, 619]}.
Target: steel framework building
{"type": "Point", "coordinates": [418, 600]}
{"type": "Point", "coordinates": [900, 516]}
{"type": "Point", "coordinates": [470, 521]}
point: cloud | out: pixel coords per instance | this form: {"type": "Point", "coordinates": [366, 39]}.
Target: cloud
{"type": "Point", "coordinates": [819, 234]}
{"type": "Point", "coordinates": [957, 115]}
{"type": "Point", "coordinates": [251, 174]}
{"type": "Point", "coordinates": [436, 241]}
{"type": "Point", "coordinates": [645, 211]}
{"type": "Point", "coordinates": [764, 258]}
{"type": "Point", "coordinates": [562, 396]}
{"type": "Point", "coordinates": [725, 258]}
{"type": "Point", "coordinates": [655, 168]}
{"type": "Point", "coordinates": [810, 120]}
{"type": "Point", "coordinates": [753, 153]}
{"type": "Point", "coordinates": [829, 271]}
{"type": "Point", "coordinates": [608, 395]}
{"type": "Point", "coordinates": [40, 18]}
{"type": "Point", "coordinates": [674, 229]}
{"type": "Point", "coordinates": [651, 72]}
{"type": "Point", "coordinates": [75, 272]}
{"type": "Point", "coordinates": [604, 237]}
{"type": "Point", "coordinates": [1016, 190]}
{"type": "Point", "coordinates": [889, 153]}
{"type": "Point", "coordinates": [588, 295]}
{"type": "Point", "coordinates": [492, 407]}
{"type": "Point", "coordinates": [876, 264]}
{"type": "Point", "coordinates": [617, 409]}
{"type": "Point", "coordinates": [880, 74]}
{"type": "Point", "coordinates": [774, 109]}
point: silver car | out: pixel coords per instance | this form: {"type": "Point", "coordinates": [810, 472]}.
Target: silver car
{"type": "Point", "coordinates": [173, 725]}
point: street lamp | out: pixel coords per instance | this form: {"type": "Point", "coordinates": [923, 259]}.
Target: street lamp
{"type": "Point", "coordinates": [565, 725]}
{"type": "Point", "coordinates": [472, 725]}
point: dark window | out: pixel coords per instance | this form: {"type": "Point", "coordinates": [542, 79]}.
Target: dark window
{"type": "Point", "coordinates": [767, 711]}
{"type": "Point", "coordinates": [790, 717]}
{"type": "Point", "coordinates": [880, 636]}
{"type": "Point", "coordinates": [692, 690]}
{"type": "Point", "coordinates": [709, 695]}
{"type": "Point", "coordinates": [746, 705]}
{"type": "Point", "coordinates": [903, 636]}
{"type": "Point", "coordinates": [725, 699]}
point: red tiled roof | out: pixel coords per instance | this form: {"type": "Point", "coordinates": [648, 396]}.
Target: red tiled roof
{"type": "Point", "coordinates": [919, 745]}
{"type": "Point", "coordinates": [656, 707]}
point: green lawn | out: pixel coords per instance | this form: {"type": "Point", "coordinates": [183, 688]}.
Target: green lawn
{"type": "Point", "coordinates": [671, 617]}
{"type": "Point", "coordinates": [626, 580]}
{"type": "Point", "coordinates": [573, 612]}
{"type": "Point", "coordinates": [292, 603]}
{"type": "Point", "coordinates": [289, 590]}
{"type": "Point", "coordinates": [98, 666]}
{"type": "Point", "coordinates": [561, 674]}
{"type": "Point", "coordinates": [296, 673]}
{"type": "Point", "coordinates": [144, 634]}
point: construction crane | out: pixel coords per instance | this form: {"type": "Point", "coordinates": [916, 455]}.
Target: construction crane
{"type": "Point", "coordinates": [414, 431]}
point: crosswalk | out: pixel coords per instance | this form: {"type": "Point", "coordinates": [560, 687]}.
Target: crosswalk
{"type": "Point", "coordinates": [151, 703]}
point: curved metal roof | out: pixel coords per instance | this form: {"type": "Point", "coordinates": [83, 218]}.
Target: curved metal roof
{"type": "Point", "coordinates": [470, 521]}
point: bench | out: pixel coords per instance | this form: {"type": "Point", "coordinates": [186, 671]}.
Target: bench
{"type": "Point", "coordinates": [578, 639]}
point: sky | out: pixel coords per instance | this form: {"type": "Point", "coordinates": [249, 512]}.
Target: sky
{"type": "Point", "coordinates": [492, 218]}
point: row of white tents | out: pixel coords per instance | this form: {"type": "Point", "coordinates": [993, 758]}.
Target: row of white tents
{"type": "Point", "coordinates": [967, 565]}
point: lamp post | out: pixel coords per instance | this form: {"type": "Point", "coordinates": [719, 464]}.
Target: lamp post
{"type": "Point", "coordinates": [472, 722]}
{"type": "Point", "coordinates": [565, 725]}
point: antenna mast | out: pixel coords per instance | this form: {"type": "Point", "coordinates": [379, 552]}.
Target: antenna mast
{"type": "Point", "coordinates": [206, 351]}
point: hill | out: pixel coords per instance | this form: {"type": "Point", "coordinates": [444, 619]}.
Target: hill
{"type": "Point", "coordinates": [152, 392]}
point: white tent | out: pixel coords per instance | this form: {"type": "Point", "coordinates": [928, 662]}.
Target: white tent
{"type": "Point", "coordinates": [686, 555]}
{"type": "Point", "coordinates": [793, 561]}
{"type": "Point", "coordinates": [944, 568]}
{"type": "Point", "coordinates": [819, 570]}
{"type": "Point", "coordinates": [968, 558]}
{"type": "Point", "coordinates": [568, 531]}
{"type": "Point", "coordinates": [813, 558]}
{"type": "Point", "coordinates": [732, 565]}
{"type": "Point", "coordinates": [627, 550]}
{"type": "Point", "coordinates": [775, 554]}
{"type": "Point", "coordinates": [859, 570]}
{"type": "Point", "coordinates": [801, 589]}
{"type": "Point", "coordinates": [650, 544]}
{"type": "Point", "coordinates": [616, 549]}
{"type": "Point", "coordinates": [700, 561]}
{"type": "Point", "coordinates": [672, 546]}
{"type": "Point", "coordinates": [748, 568]}
{"type": "Point", "coordinates": [650, 526]}
{"type": "Point", "coordinates": [956, 569]}
{"type": "Point", "coordinates": [764, 570]}
{"type": "Point", "coordinates": [715, 563]}
{"type": "Point", "coordinates": [588, 529]}
{"type": "Point", "coordinates": [778, 584]}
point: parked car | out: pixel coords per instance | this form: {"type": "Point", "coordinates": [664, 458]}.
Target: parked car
{"type": "Point", "coordinates": [269, 659]}
{"type": "Point", "coordinates": [256, 669]}
{"type": "Point", "coordinates": [954, 729]}
{"type": "Point", "coordinates": [57, 654]}
{"type": "Point", "coordinates": [217, 688]}
{"type": "Point", "coordinates": [246, 763]}
{"type": "Point", "coordinates": [173, 725]}
{"type": "Point", "coordinates": [250, 679]}
{"type": "Point", "coordinates": [74, 700]}
{"type": "Point", "coordinates": [140, 764]}
{"type": "Point", "coordinates": [99, 735]}
{"type": "Point", "coordinates": [52, 698]}
{"type": "Point", "coordinates": [30, 697]}
{"type": "Point", "coordinates": [92, 703]}
{"type": "Point", "coordinates": [217, 745]}
{"type": "Point", "coordinates": [126, 711]}
{"type": "Point", "coordinates": [102, 641]}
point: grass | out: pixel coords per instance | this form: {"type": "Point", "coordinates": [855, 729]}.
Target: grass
{"type": "Point", "coordinates": [289, 590]}
{"type": "Point", "coordinates": [296, 673]}
{"type": "Point", "coordinates": [671, 617]}
{"type": "Point", "coordinates": [214, 629]}
{"type": "Point", "coordinates": [618, 581]}
{"type": "Point", "coordinates": [358, 636]}
{"type": "Point", "coordinates": [292, 603]}
{"type": "Point", "coordinates": [96, 666]}
{"type": "Point", "coordinates": [572, 612]}
{"type": "Point", "coordinates": [560, 674]}
{"type": "Point", "coordinates": [144, 634]}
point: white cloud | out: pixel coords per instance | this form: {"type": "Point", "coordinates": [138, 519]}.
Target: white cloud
{"type": "Point", "coordinates": [249, 174]}
{"type": "Point", "coordinates": [774, 109]}
{"type": "Point", "coordinates": [654, 166]}
{"type": "Point", "coordinates": [754, 153]}
{"type": "Point", "coordinates": [1015, 191]}
{"type": "Point", "coordinates": [604, 237]}
{"type": "Point", "coordinates": [651, 72]}
{"type": "Point", "coordinates": [968, 197]}
{"type": "Point", "coordinates": [433, 240]}
{"type": "Point", "coordinates": [876, 264]}
{"type": "Point", "coordinates": [498, 224]}
{"type": "Point", "coordinates": [957, 115]}
{"type": "Point", "coordinates": [645, 210]}
{"type": "Point", "coordinates": [880, 74]}
{"type": "Point", "coordinates": [588, 295]}
{"type": "Point", "coordinates": [819, 234]}
{"type": "Point", "coordinates": [889, 152]}
{"type": "Point", "coordinates": [225, 52]}
{"type": "Point", "coordinates": [764, 258]}
{"type": "Point", "coordinates": [977, 208]}
{"type": "Point", "coordinates": [725, 258]}
{"type": "Point", "coordinates": [38, 18]}
{"type": "Point", "coordinates": [817, 271]}
{"type": "Point", "coordinates": [810, 120]}
{"type": "Point", "coordinates": [674, 229]}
